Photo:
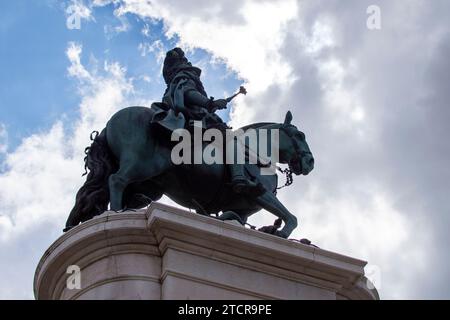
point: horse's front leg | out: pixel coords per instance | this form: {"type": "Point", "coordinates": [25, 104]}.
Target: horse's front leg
{"type": "Point", "coordinates": [270, 202]}
{"type": "Point", "coordinates": [117, 185]}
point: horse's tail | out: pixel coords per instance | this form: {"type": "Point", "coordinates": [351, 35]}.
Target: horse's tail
{"type": "Point", "coordinates": [93, 197]}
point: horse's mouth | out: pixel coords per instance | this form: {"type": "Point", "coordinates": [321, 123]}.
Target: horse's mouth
{"type": "Point", "coordinates": [295, 166]}
{"type": "Point", "coordinates": [302, 165]}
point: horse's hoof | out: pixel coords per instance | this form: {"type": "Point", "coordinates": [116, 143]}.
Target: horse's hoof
{"type": "Point", "coordinates": [305, 241]}
{"type": "Point", "coordinates": [272, 229]}
{"type": "Point", "coordinates": [268, 229]}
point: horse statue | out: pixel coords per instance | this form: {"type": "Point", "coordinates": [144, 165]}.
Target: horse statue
{"type": "Point", "coordinates": [130, 166]}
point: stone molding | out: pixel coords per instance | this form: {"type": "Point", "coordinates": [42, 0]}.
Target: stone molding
{"type": "Point", "coordinates": [164, 252]}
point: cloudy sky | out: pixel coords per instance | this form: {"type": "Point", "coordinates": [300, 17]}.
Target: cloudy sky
{"type": "Point", "coordinates": [373, 104]}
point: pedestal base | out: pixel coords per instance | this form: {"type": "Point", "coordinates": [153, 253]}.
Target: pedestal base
{"type": "Point", "coordinates": [168, 253]}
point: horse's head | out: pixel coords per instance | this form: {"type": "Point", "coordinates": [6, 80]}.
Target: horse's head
{"type": "Point", "coordinates": [293, 148]}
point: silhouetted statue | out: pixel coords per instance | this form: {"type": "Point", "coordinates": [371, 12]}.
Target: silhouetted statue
{"type": "Point", "coordinates": [130, 162]}
{"type": "Point", "coordinates": [187, 100]}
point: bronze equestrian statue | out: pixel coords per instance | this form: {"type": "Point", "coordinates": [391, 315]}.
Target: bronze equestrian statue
{"type": "Point", "coordinates": [130, 165]}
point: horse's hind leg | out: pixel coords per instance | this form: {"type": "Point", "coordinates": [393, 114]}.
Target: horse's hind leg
{"type": "Point", "coordinates": [270, 202]}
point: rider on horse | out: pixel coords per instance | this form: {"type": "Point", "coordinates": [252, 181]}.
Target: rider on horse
{"type": "Point", "coordinates": [185, 100]}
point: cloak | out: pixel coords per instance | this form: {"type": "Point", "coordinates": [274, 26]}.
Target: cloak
{"type": "Point", "coordinates": [173, 112]}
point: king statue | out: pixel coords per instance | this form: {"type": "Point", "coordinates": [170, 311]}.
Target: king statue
{"type": "Point", "coordinates": [129, 164]}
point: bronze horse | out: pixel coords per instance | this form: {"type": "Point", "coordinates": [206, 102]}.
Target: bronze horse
{"type": "Point", "coordinates": [130, 166]}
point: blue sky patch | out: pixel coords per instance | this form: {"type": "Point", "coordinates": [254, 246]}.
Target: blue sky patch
{"type": "Point", "coordinates": [35, 88]}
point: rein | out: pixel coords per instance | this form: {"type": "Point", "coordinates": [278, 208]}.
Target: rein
{"type": "Point", "coordinates": [287, 171]}
{"type": "Point", "coordinates": [289, 177]}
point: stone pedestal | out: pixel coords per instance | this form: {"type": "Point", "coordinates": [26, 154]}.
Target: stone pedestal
{"type": "Point", "coordinates": [168, 253]}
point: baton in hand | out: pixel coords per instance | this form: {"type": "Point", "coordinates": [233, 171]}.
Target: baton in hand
{"type": "Point", "coordinates": [241, 90]}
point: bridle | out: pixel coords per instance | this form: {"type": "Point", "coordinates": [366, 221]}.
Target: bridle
{"type": "Point", "coordinates": [298, 151]}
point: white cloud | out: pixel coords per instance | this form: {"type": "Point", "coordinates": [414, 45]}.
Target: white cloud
{"type": "Point", "coordinates": [42, 175]}
{"type": "Point", "coordinates": [113, 30]}
{"type": "Point", "coordinates": [346, 86]}
{"type": "Point", "coordinates": [366, 224]}
{"type": "Point", "coordinates": [44, 171]}
{"type": "Point", "coordinates": [322, 37]}
{"type": "Point", "coordinates": [76, 69]}
{"type": "Point", "coordinates": [156, 47]}
{"type": "Point", "coordinates": [146, 30]}
{"type": "Point", "coordinates": [246, 46]}
{"type": "Point", "coordinates": [78, 8]}
{"type": "Point", "coordinates": [361, 97]}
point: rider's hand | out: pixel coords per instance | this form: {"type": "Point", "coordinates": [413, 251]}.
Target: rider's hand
{"type": "Point", "coordinates": [219, 104]}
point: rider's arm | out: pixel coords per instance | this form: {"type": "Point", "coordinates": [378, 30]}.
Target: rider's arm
{"type": "Point", "coordinates": [194, 97]}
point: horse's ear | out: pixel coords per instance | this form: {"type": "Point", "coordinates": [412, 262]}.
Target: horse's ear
{"type": "Point", "coordinates": [288, 118]}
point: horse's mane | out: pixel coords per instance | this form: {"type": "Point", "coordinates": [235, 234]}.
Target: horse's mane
{"type": "Point", "coordinates": [258, 125]}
